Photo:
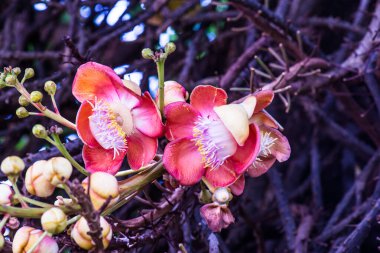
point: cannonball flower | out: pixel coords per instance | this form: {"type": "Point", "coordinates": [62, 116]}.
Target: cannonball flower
{"type": "Point", "coordinates": [80, 234]}
{"type": "Point", "coordinates": [102, 187]}
{"type": "Point", "coordinates": [26, 237]}
{"type": "Point", "coordinates": [35, 183]}
{"type": "Point", "coordinates": [113, 121]}
{"type": "Point", "coordinates": [273, 144]}
{"type": "Point", "coordinates": [6, 194]}
{"type": "Point", "coordinates": [210, 138]}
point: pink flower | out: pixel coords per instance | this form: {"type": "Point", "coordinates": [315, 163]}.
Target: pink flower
{"type": "Point", "coordinates": [113, 121]}
{"type": "Point", "coordinates": [217, 216]}
{"type": "Point", "coordinates": [209, 138]}
{"type": "Point", "coordinates": [273, 144]}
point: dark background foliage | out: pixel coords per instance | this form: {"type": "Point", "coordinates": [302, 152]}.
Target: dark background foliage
{"type": "Point", "coordinates": [324, 199]}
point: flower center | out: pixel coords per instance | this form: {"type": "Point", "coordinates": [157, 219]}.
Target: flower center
{"type": "Point", "coordinates": [266, 143]}
{"type": "Point", "coordinates": [110, 126]}
{"type": "Point", "coordinates": [215, 143]}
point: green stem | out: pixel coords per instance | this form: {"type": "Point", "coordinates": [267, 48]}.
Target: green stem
{"type": "Point", "coordinates": [161, 77]}
{"type": "Point", "coordinates": [73, 220]}
{"type": "Point", "coordinates": [37, 242]}
{"type": "Point", "coordinates": [36, 202]}
{"type": "Point", "coordinates": [130, 172]}
{"type": "Point", "coordinates": [66, 188]}
{"type": "Point", "coordinates": [66, 154]}
{"type": "Point", "coordinates": [131, 186]}
{"type": "Point", "coordinates": [33, 212]}
{"type": "Point", "coordinates": [18, 194]}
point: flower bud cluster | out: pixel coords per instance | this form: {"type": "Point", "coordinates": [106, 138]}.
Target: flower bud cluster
{"type": "Point", "coordinates": [43, 176]}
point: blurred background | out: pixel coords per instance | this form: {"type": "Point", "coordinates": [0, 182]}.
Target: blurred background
{"type": "Point", "coordinates": [320, 57]}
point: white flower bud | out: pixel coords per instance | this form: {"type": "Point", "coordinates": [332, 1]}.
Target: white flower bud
{"type": "Point", "coordinates": [35, 182]}
{"type": "Point", "coordinates": [6, 194]}
{"type": "Point", "coordinates": [12, 166]}
{"type": "Point", "coordinates": [54, 220]}
{"type": "Point", "coordinates": [222, 195]}
{"type": "Point", "coordinates": [58, 170]}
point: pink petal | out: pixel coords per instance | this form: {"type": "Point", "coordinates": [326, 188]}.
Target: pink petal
{"type": "Point", "coordinates": [83, 125]}
{"type": "Point", "coordinates": [183, 161]}
{"type": "Point", "coordinates": [263, 118]}
{"type": "Point", "coordinates": [146, 117]}
{"type": "Point", "coordinates": [205, 97]}
{"type": "Point", "coordinates": [246, 154]}
{"type": "Point", "coordinates": [100, 159]}
{"type": "Point", "coordinates": [180, 119]}
{"type": "Point", "coordinates": [261, 167]}
{"type": "Point", "coordinates": [95, 80]}
{"type": "Point", "coordinates": [222, 176]}
{"type": "Point", "coordinates": [141, 149]}
{"type": "Point", "coordinates": [237, 188]}
{"type": "Point", "coordinates": [264, 98]}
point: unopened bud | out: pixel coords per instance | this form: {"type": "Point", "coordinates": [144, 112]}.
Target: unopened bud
{"type": "Point", "coordinates": [204, 196]}
{"type": "Point", "coordinates": [58, 170]}
{"type": "Point", "coordinates": [12, 166]}
{"type": "Point", "coordinates": [23, 101]}
{"type": "Point", "coordinates": [39, 131]}
{"type": "Point", "coordinates": [29, 73]}
{"type": "Point", "coordinates": [222, 195]}
{"type": "Point", "coordinates": [54, 220]}
{"type": "Point", "coordinates": [170, 48]}
{"type": "Point", "coordinates": [36, 96]}
{"type": "Point", "coordinates": [22, 112]}
{"type": "Point", "coordinates": [103, 186]}
{"type": "Point", "coordinates": [83, 239]}
{"type": "Point", "coordinates": [147, 53]}
{"type": "Point", "coordinates": [35, 183]}
{"type": "Point", "coordinates": [16, 71]}
{"type": "Point", "coordinates": [26, 237]}
{"type": "Point", "coordinates": [6, 195]}
{"type": "Point", "coordinates": [50, 87]}
{"type": "Point", "coordinates": [10, 80]}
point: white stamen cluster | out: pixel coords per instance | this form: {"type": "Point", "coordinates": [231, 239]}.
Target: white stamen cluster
{"type": "Point", "coordinates": [106, 128]}
{"type": "Point", "coordinates": [266, 142]}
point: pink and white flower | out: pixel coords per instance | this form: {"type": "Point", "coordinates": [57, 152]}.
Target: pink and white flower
{"type": "Point", "coordinates": [210, 138]}
{"type": "Point", "coordinates": [113, 121]}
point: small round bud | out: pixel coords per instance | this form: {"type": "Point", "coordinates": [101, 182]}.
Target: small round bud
{"type": "Point", "coordinates": [83, 239]}
{"type": "Point", "coordinates": [10, 80]}
{"type": "Point", "coordinates": [103, 186]}
{"type": "Point", "coordinates": [12, 166]}
{"type": "Point", "coordinates": [35, 183]}
{"type": "Point", "coordinates": [6, 194]}
{"type": "Point", "coordinates": [39, 131]}
{"type": "Point", "coordinates": [36, 96]}
{"type": "Point", "coordinates": [26, 237]}
{"type": "Point", "coordinates": [16, 71]}
{"type": "Point", "coordinates": [58, 170]}
{"type": "Point", "coordinates": [23, 101]}
{"type": "Point", "coordinates": [147, 53]}
{"type": "Point", "coordinates": [22, 112]}
{"type": "Point", "coordinates": [222, 195]}
{"type": "Point", "coordinates": [170, 48]}
{"type": "Point", "coordinates": [50, 87]}
{"type": "Point", "coordinates": [54, 220]}
{"type": "Point", "coordinates": [29, 73]}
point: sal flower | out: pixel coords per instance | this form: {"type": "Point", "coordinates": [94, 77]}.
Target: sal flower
{"type": "Point", "coordinates": [273, 144]}
{"type": "Point", "coordinates": [114, 121]}
{"type": "Point", "coordinates": [210, 138]}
